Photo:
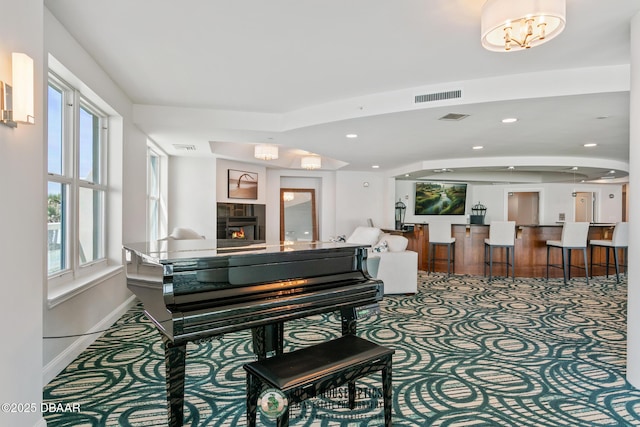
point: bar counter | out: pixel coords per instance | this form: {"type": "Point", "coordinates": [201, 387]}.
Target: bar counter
{"type": "Point", "coordinates": [530, 249]}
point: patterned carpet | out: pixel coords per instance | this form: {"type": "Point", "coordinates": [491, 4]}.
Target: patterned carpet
{"type": "Point", "coordinates": [468, 353]}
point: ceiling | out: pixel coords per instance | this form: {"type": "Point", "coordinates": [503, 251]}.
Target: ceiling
{"type": "Point", "coordinates": [220, 77]}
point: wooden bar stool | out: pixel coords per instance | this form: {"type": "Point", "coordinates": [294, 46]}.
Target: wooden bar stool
{"type": "Point", "coordinates": [502, 234]}
{"type": "Point", "coordinates": [440, 235]}
{"type": "Point", "coordinates": [619, 240]}
{"type": "Point", "coordinates": [574, 236]}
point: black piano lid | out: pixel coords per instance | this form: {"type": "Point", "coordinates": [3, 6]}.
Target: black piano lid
{"type": "Point", "coordinates": [170, 251]}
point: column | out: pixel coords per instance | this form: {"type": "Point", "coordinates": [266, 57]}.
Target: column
{"type": "Point", "coordinates": [633, 307]}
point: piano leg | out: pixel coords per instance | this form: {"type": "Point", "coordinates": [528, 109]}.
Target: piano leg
{"type": "Point", "coordinates": [175, 359]}
{"type": "Point", "coordinates": [268, 338]}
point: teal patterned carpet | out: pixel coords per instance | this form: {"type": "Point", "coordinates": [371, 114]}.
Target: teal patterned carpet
{"type": "Point", "coordinates": [468, 353]}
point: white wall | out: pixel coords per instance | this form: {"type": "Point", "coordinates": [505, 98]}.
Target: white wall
{"type": "Point", "coordinates": [22, 213]}
{"type": "Point", "coordinates": [633, 308]}
{"type": "Point", "coordinates": [359, 196]}
{"type": "Point", "coordinates": [97, 306]}
{"type": "Point", "coordinates": [192, 194]}
{"type": "Point", "coordinates": [554, 199]}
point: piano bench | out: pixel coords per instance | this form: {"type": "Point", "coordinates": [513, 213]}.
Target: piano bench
{"type": "Point", "coordinates": [313, 370]}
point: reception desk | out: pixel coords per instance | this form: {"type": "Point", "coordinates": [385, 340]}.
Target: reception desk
{"type": "Point", "coordinates": [530, 249]}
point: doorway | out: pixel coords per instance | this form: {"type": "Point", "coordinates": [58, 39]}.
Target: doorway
{"type": "Point", "coordinates": [585, 202]}
{"type": "Point", "coordinates": [523, 207]}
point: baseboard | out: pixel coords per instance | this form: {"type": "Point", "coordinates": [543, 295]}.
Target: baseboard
{"type": "Point", "coordinates": [63, 360]}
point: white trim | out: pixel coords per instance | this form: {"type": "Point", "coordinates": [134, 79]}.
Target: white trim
{"type": "Point", "coordinates": [65, 291]}
{"type": "Point", "coordinates": [63, 359]}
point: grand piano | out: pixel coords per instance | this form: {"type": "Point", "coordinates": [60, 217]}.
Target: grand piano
{"type": "Point", "coordinates": [193, 291]}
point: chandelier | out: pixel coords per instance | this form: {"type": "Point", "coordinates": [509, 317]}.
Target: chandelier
{"type": "Point", "coordinates": [265, 152]}
{"type": "Point", "coordinates": [521, 23]}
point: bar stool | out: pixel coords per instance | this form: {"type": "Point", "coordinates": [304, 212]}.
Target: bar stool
{"type": "Point", "coordinates": [574, 236]}
{"type": "Point", "coordinates": [619, 240]}
{"type": "Point", "coordinates": [440, 235]}
{"type": "Point", "coordinates": [502, 234]}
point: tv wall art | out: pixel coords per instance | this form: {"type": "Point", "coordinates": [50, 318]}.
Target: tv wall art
{"type": "Point", "coordinates": [436, 198]}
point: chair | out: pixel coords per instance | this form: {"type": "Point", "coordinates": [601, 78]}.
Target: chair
{"type": "Point", "coordinates": [440, 235]}
{"type": "Point", "coordinates": [502, 234]}
{"type": "Point", "coordinates": [182, 233]}
{"type": "Point", "coordinates": [388, 259]}
{"type": "Point", "coordinates": [574, 236]}
{"type": "Point", "coordinates": [619, 240]}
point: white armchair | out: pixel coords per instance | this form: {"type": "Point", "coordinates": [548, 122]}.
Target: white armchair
{"type": "Point", "coordinates": [389, 260]}
{"type": "Point", "coordinates": [182, 233]}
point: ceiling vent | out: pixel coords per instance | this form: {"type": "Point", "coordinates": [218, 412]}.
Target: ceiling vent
{"type": "Point", "coordinates": [454, 116]}
{"type": "Point", "coordinates": [440, 96]}
{"type": "Point", "coordinates": [184, 147]}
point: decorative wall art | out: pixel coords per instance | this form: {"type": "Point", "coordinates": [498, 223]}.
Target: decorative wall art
{"type": "Point", "coordinates": [435, 198]}
{"type": "Point", "coordinates": [242, 184]}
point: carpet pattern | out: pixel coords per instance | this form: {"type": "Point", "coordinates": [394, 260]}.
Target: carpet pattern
{"type": "Point", "coordinates": [468, 353]}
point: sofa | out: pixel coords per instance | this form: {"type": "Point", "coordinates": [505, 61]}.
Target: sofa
{"type": "Point", "coordinates": [388, 259]}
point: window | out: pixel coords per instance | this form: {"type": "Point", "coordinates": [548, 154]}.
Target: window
{"type": "Point", "coordinates": [157, 183]}
{"type": "Point", "coordinates": [153, 194]}
{"type": "Point", "coordinates": [77, 183]}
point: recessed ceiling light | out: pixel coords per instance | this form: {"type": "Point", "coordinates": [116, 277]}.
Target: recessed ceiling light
{"type": "Point", "coordinates": [590, 144]}
{"type": "Point", "coordinates": [509, 120]}
{"type": "Point", "coordinates": [375, 166]}
{"type": "Point", "coordinates": [511, 168]}
{"type": "Point", "coordinates": [575, 168]}
{"type": "Point", "coordinates": [612, 171]}
{"type": "Point", "coordinates": [406, 174]}
{"type": "Point", "coordinates": [477, 147]}
{"type": "Point", "coordinates": [351, 135]}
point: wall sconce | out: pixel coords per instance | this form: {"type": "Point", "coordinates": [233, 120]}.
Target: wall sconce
{"type": "Point", "coordinates": [16, 102]}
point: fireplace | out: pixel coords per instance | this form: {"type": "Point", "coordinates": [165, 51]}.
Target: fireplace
{"type": "Point", "coordinates": [240, 224]}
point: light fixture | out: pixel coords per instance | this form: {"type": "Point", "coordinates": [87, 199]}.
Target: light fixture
{"type": "Point", "coordinates": [311, 162]}
{"type": "Point", "coordinates": [265, 152]}
{"type": "Point", "coordinates": [16, 102]}
{"type": "Point", "coordinates": [522, 23]}
{"type": "Point", "coordinates": [351, 135]}
{"type": "Point", "coordinates": [477, 147]}
{"type": "Point", "coordinates": [590, 144]}
{"type": "Point", "coordinates": [509, 120]}
{"type": "Point", "coordinates": [288, 196]}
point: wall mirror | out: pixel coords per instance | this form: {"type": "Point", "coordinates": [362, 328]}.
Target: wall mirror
{"type": "Point", "coordinates": [298, 220]}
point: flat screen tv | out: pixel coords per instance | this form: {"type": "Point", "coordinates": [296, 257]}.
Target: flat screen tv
{"type": "Point", "coordinates": [436, 198]}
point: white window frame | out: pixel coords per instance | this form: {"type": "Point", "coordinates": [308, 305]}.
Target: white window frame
{"type": "Point", "coordinates": [76, 274]}
{"type": "Point", "coordinates": [154, 194]}
{"type": "Point", "coordinates": [161, 191]}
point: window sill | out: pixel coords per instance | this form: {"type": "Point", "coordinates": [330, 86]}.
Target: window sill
{"type": "Point", "coordinates": [60, 293]}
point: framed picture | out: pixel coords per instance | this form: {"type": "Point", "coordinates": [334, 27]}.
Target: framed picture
{"type": "Point", "coordinates": [437, 198]}
{"type": "Point", "coordinates": [242, 184]}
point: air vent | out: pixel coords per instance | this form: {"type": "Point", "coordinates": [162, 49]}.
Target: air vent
{"type": "Point", "coordinates": [440, 96]}
{"type": "Point", "coordinates": [453, 116]}
{"type": "Point", "coordinates": [184, 147]}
